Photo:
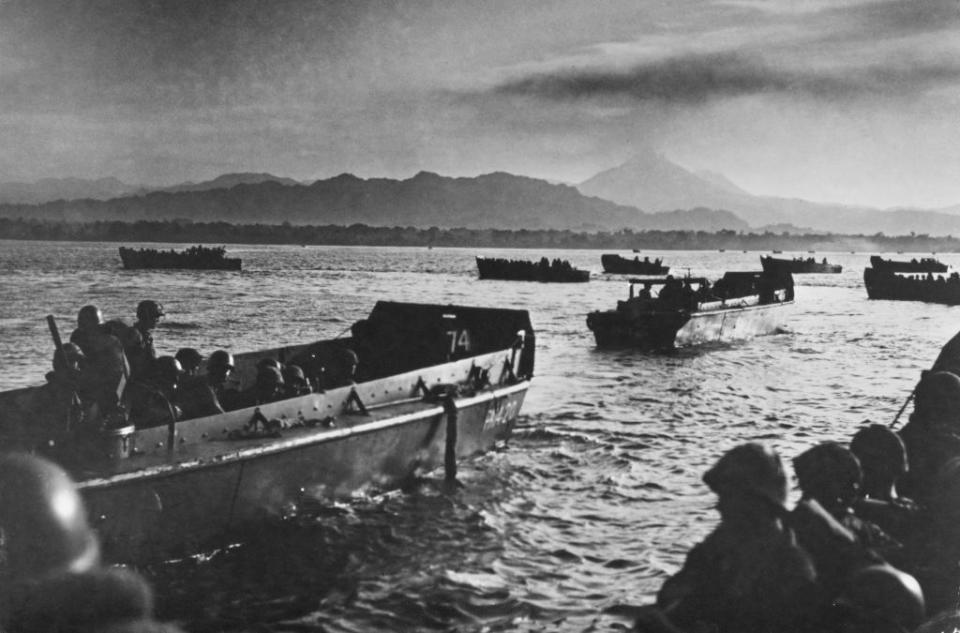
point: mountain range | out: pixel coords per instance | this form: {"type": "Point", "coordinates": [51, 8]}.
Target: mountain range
{"type": "Point", "coordinates": [647, 192]}
{"type": "Point", "coordinates": [651, 182]}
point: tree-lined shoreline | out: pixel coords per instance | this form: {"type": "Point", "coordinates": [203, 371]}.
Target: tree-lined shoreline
{"type": "Point", "coordinates": [364, 235]}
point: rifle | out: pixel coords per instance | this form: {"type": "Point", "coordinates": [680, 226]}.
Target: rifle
{"type": "Point", "coordinates": [57, 341]}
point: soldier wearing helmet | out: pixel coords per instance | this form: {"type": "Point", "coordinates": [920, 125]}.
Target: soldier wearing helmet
{"type": "Point", "coordinates": [748, 574]}
{"type": "Point", "coordinates": [220, 365]}
{"type": "Point", "coordinates": [883, 458]}
{"type": "Point", "coordinates": [152, 401]}
{"type": "Point", "coordinates": [932, 436]}
{"type": "Point", "coordinates": [105, 369]}
{"type": "Point", "coordinates": [149, 313]}
{"type": "Point", "coordinates": [830, 475]}
{"type": "Point", "coordinates": [190, 359]}
{"type": "Point", "coordinates": [51, 578]}
{"type": "Point", "coordinates": [295, 382]}
{"type": "Point", "coordinates": [198, 394]}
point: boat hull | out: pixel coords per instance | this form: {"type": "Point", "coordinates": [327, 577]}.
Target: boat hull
{"type": "Point", "coordinates": [196, 505]}
{"type": "Point", "coordinates": [659, 330]}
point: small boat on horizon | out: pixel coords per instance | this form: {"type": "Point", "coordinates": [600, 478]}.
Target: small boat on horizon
{"type": "Point", "coordinates": [619, 265]}
{"type": "Point", "coordinates": [544, 271]}
{"type": "Point", "coordinates": [798, 265]}
{"type": "Point", "coordinates": [194, 258]}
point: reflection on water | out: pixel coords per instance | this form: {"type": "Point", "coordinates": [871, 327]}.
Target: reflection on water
{"type": "Point", "coordinates": [595, 499]}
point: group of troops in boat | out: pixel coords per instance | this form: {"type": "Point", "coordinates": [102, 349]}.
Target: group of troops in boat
{"type": "Point", "coordinates": [871, 545]}
{"type": "Point", "coordinates": [109, 375]}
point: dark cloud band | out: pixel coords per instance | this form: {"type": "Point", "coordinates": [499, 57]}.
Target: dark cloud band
{"type": "Point", "coordinates": [694, 79]}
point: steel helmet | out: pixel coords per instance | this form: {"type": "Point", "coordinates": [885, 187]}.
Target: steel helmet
{"type": "Point", "coordinates": [149, 309]}
{"type": "Point", "coordinates": [89, 316]}
{"type": "Point", "coordinates": [268, 362]}
{"type": "Point", "coordinates": [43, 520]}
{"type": "Point", "coordinates": [828, 472]}
{"type": "Point", "coordinates": [938, 397]}
{"type": "Point", "coordinates": [293, 373]}
{"type": "Point", "coordinates": [752, 468]}
{"type": "Point", "coordinates": [167, 368]}
{"type": "Point", "coordinates": [189, 358]}
{"type": "Point", "coordinates": [885, 591]}
{"type": "Point", "coordinates": [220, 358]}
{"type": "Point", "coordinates": [878, 447]}
{"type": "Point", "coordinates": [268, 375]}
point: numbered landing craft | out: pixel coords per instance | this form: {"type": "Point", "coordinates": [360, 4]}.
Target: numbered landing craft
{"type": "Point", "coordinates": [431, 384]}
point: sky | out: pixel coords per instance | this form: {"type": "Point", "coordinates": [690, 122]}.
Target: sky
{"type": "Point", "coordinates": [850, 101]}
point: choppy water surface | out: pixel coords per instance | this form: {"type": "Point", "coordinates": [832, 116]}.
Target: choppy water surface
{"type": "Point", "coordinates": [596, 498]}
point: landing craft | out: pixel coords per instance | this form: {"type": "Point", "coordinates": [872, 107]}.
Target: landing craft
{"type": "Point", "coordinates": [435, 384]}
{"type": "Point", "coordinates": [738, 306]}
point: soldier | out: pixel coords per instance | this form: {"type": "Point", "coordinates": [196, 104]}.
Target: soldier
{"type": "Point", "coordinates": [152, 401]}
{"type": "Point", "coordinates": [295, 383]}
{"type": "Point", "coordinates": [883, 458]}
{"type": "Point", "coordinates": [830, 474]}
{"type": "Point", "coordinates": [219, 367]}
{"type": "Point", "coordinates": [195, 395]}
{"type": "Point", "coordinates": [932, 436]}
{"type": "Point", "coordinates": [149, 313]}
{"type": "Point", "coordinates": [52, 578]}
{"type": "Point", "coordinates": [105, 370]}
{"type": "Point", "coordinates": [190, 360]}
{"type": "Point", "coordinates": [749, 575]}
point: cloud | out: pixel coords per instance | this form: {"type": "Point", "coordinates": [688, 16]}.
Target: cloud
{"type": "Point", "coordinates": [701, 77]}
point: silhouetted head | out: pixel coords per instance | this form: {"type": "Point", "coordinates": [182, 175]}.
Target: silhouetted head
{"type": "Point", "coordinates": [882, 455]}
{"type": "Point", "coordinates": [750, 470]}
{"type": "Point", "coordinates": [219, 365]}
{"type": "Point", "coordinates": [89, 317]}
{"type": "Point", "coordinates": [937, 400]}
{"type": "Point", "coordinates": [167, 370]}
{"type": "Point", "coordinates": [43, 520]}
{"type": "Point", "coordinates": [149, 312]}
{"type": "Point", "coordinates": [189, 359]}
{"type": "Point", "coordinates": [829, 473]}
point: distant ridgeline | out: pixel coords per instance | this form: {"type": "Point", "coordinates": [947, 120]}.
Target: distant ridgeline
{"type": "Point", "coordinates": [364, 235]}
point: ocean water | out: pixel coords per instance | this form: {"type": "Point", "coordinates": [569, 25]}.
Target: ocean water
{"type": "Point", "coordinates": [593, 502]}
